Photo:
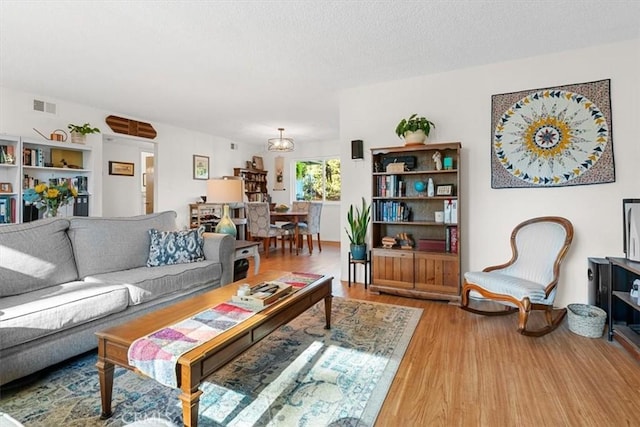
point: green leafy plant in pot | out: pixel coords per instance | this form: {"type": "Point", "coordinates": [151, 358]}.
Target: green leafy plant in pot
{"type": "Point", "coordinates": [358, 220]}
{"type": "Point", "coordinates": [414, 130]}
{"type": "Point", "coordinates": [79, 132]}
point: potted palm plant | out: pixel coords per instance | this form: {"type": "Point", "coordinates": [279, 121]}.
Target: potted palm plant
{"type": "Point", "coordinates": [79, 132]}
{"type": "Point", "coordinates": [357, 231]}
{"type": "Point", "coordinates": [414, 130]}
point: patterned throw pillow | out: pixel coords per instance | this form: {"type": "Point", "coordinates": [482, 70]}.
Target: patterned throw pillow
{"type": "Point", "coordinates": [175, 247]}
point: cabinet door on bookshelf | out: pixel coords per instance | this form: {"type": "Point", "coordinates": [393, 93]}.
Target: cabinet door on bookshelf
{"type": "Point", "coordinates": [436, 272]}
{"type": "Point", "coordinates": [393, 268]}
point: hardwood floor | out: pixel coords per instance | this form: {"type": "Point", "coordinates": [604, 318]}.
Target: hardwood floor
{"type": "Point", "coordinates": [462, 369]}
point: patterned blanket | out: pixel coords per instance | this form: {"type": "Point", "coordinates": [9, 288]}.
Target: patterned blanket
{"type": "Point", "coordinates": [156, 354]}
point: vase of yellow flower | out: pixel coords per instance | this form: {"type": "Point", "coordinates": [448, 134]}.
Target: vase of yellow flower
{"type": "Point", "coordinates": [49, 198]}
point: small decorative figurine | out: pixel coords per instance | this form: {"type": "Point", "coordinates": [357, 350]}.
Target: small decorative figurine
{"type": "Point", "coordinates": [437, 159]}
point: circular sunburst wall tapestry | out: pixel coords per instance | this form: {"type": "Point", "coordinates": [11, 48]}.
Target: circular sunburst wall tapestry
{"type": "Point", "coordinates": [552, 137]}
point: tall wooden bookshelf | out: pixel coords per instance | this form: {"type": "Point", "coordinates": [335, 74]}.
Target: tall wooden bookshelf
{"type": "Point", "coordinates": [255, 184]}
{"type": "Point", "coordinates": [431, 267]}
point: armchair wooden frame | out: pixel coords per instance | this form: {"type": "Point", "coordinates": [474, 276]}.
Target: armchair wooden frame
{"type": "Point", "coordinates": [524, 306]}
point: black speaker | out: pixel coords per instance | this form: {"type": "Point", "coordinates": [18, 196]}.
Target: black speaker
{"type": "Point", "coordinates": [356, 149]}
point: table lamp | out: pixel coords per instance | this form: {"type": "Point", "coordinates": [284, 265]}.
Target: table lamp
{"type": "Point", "coordinates": [225, 191]}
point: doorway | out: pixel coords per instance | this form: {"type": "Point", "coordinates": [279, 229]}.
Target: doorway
{"type": "Point", "coordinates": [125, 195]}
{"type": "Point", "coordinates": [147, 160]}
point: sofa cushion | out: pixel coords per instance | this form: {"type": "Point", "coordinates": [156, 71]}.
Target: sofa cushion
{"type": "Point", "coordinates": [35, 255]}
{"type": "Point", "coordinates": [32, 315]}
{"type": "Point", "coordinates": [175, 247]}
{"type": "Point", "coordinates": [102, 245]}
{"type": "Point", "coordinates": [148, 283]}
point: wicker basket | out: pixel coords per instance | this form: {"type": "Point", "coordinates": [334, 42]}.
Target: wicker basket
{"type": "Point", "coordinates": [586, 320]}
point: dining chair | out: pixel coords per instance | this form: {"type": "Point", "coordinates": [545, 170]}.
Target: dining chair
{"type": "Point", "coordinates": [528, 281]}
{"type": "Point", "coordinates": [260, 226]}
{"type": "Point", "coordinates": [312, 225]}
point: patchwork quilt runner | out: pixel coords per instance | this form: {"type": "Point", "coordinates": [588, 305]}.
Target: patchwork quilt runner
{"type": "Point", "coordinates": [156, 354]}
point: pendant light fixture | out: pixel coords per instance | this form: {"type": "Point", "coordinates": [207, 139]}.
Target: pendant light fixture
{"type": "Point", "coordinates": [280, 144]}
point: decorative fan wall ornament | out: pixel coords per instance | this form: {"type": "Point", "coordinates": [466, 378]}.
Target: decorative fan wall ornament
{"type": "Point", "coordinates": [552, 137]}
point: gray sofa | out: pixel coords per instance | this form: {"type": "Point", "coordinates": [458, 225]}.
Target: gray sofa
{"type": "Point", "coordinates": [63, 279]}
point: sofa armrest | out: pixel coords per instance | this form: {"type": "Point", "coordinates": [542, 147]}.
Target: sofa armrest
{"type": "Point", "coordinates": [221, 248]}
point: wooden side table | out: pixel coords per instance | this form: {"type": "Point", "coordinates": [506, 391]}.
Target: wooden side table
{"type": "Point", "coordinates": [367, 268]}
{"type": "Point", "coordinates": [246, 249]}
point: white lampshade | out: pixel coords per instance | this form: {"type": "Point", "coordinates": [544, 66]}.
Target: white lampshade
{"type": "Point", "coordinates": [224, 191]}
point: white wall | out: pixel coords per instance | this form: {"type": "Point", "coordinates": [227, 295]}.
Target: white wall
{"type": "Point", "coordinates": [176, 147]}
{"type": "Point", "coordinates": [459, 103]}
{"type": "Point", "coordinates": [122, 195]}
{"type": "Point", "coordinates": [330, 219]}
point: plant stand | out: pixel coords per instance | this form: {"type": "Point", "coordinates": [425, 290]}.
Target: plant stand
{"type": "Point", "coordinates": [367, 268]}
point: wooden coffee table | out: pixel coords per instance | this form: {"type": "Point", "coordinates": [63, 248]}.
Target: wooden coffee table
{"type": "Point", "coordinates": [197, 364]}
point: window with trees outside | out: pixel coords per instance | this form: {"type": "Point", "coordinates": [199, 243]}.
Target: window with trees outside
{"type": "Point", "coordinates": [318, 180]}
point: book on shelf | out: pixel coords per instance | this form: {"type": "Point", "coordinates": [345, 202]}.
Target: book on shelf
{"type": "Point", "coordinates": [451, 239]}
{"type": "Point", "coordinates": [390, 186]}
{"type": "Point", "coordinates": [7, 209]}
{"type": "Point", "coordinates": [33, 157]}
{"type": "Point", "coordinates": [7, 152]}
{"type": "Point", "coordinates": [391, 211]}
{"type": "Point", "coordinates": [80, 183]}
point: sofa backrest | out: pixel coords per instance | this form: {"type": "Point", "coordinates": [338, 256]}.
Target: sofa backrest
{"type": "Point", "coordinates": [102, 245]}
{"type": "Point", "coordinates": [35, 255]}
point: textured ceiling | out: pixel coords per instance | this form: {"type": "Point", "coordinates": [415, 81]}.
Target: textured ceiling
{"type": "Point", "coordinates": [241, 69]}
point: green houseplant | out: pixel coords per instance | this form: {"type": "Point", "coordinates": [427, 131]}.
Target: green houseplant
{"type": "Point", "coordinates": [358, 220]}
{"type": "Point", "coordinates": [79, 132]}
{"type": "Point", "coordinates": [414, 130]}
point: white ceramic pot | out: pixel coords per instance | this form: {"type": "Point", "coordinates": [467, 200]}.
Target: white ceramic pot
{"type": "Point", "coordinates": [413, 138]}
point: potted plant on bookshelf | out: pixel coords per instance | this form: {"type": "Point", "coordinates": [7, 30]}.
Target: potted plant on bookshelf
{"type": "Point", "coordinates": [79, 132]}
{"type": "Point", "coordinates": [414, 130]}
{"type": "Point", "coordinates": [357, 232]}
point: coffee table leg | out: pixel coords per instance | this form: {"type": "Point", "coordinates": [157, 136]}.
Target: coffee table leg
{"type": "Point", "coordinates": [190, 401]}
{"type": "Point", "coordinates": [327, 311]}
{"type": "Point", "coordinates": [105, 373]}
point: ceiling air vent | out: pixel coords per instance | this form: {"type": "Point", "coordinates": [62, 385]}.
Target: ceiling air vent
{"type": "Point", "coordinates": [44, 107]}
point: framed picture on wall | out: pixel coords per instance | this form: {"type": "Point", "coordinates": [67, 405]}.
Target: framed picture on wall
{"type": "Point", "coordinates": [200, 167]}
{"type": "Point", "coordinates": [121, 168]}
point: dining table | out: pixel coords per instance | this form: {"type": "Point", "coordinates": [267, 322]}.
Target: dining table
{"type": "Point", "coordinates": [293, 217]}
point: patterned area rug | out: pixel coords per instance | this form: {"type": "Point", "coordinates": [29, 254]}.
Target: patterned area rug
{"type": "Point", "coordinates": [300, 375]}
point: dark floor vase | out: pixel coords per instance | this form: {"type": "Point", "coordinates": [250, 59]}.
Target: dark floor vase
{"type": "Point", "coordinates": [359, 251]}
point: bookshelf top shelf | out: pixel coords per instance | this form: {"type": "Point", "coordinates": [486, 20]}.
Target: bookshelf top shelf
{"type": "Point", "coordinates": [420, 172]}
{"type": "Point", "coordinates": [45, 168]}
{"type": "Point", "coordinates": [53, 144]}
{"type": "Point", "coordinates": [419, 147]}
